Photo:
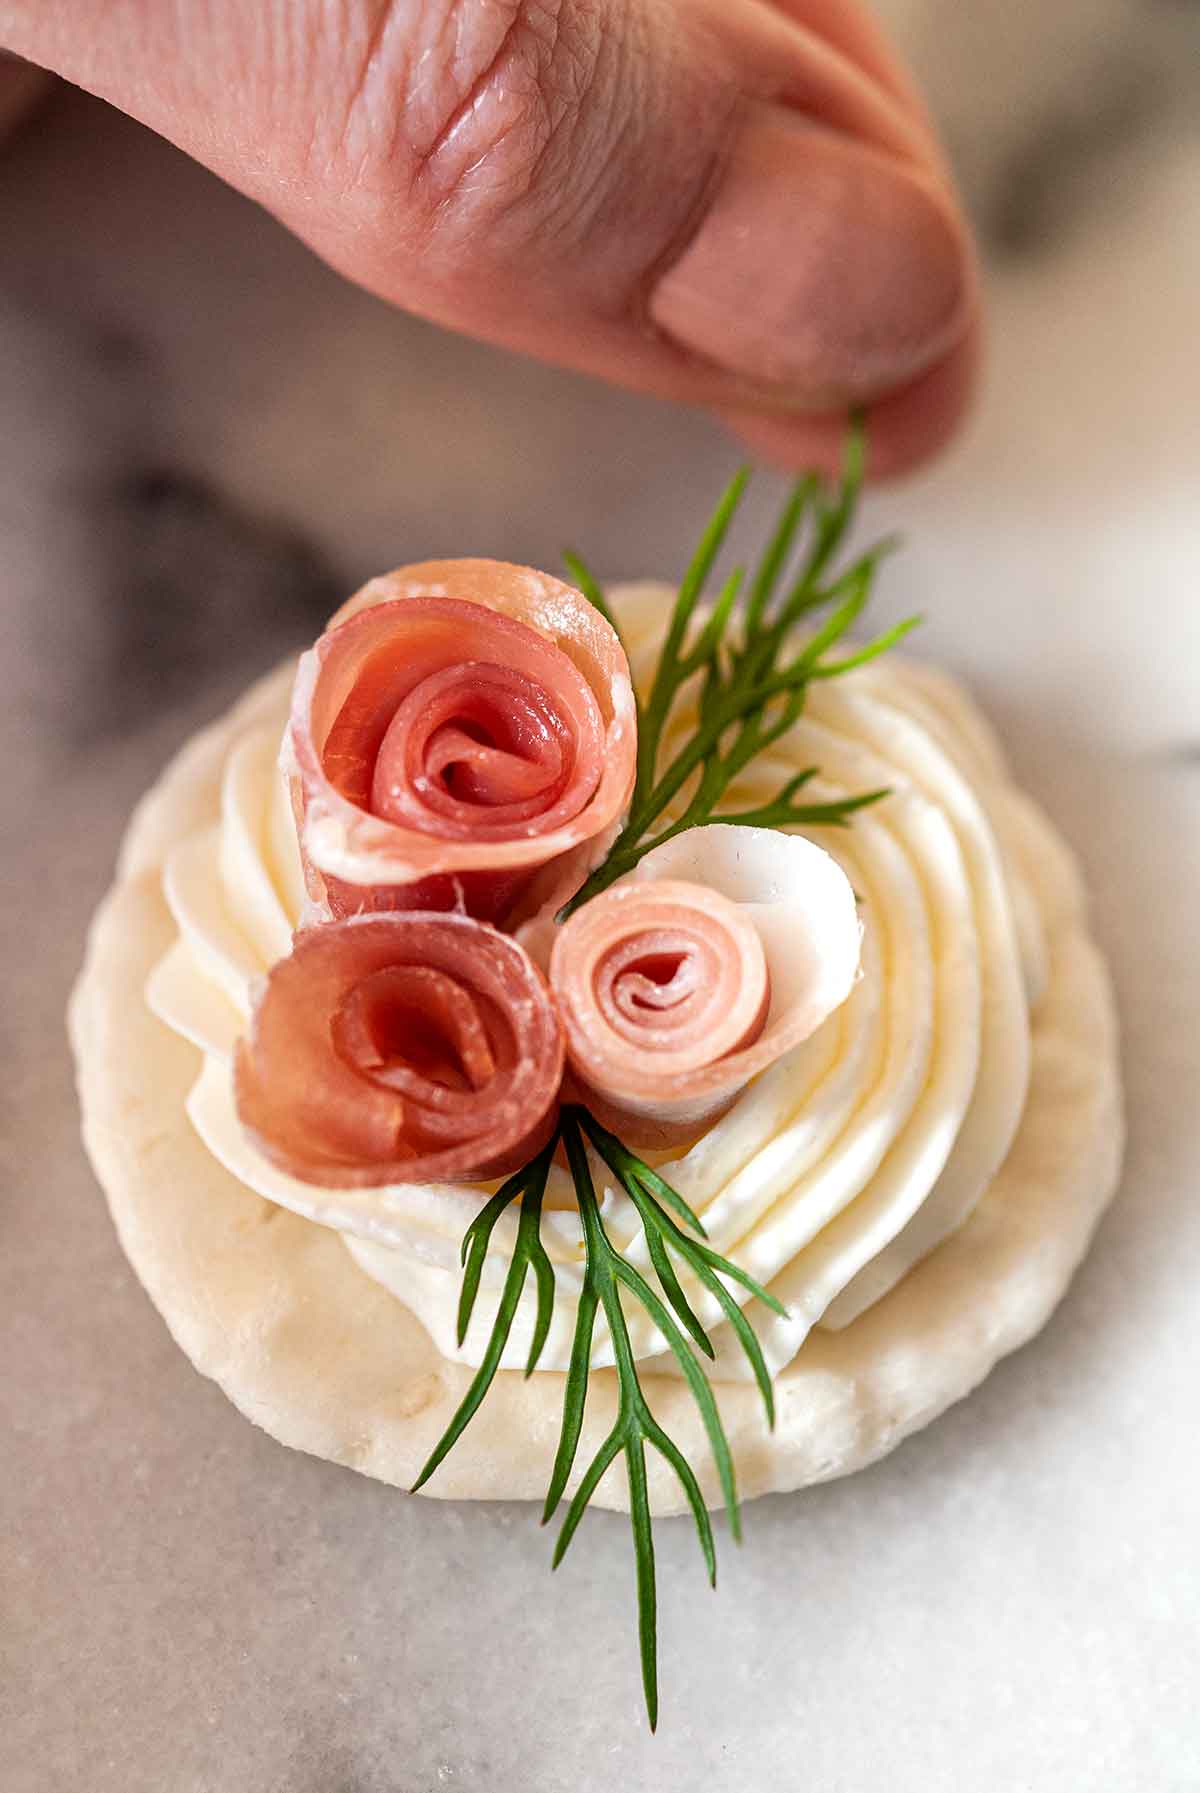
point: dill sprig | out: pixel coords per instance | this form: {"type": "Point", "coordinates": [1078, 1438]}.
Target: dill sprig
{"type": "Point", "coordinates": [753, 680]}
{"type": "Point", "coordinates": [528, 1183]}
{"type": "Point", "coordinates": [750, 694]}
{"type": "Point", "coordinates": [607, 1272]}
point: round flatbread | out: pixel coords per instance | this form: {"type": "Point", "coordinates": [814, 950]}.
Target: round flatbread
{"type": "Point", "coordinates": [274, 1308]}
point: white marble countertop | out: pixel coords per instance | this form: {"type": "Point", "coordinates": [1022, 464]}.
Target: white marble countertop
{"type": "Point", "coordinates": [206, 440]}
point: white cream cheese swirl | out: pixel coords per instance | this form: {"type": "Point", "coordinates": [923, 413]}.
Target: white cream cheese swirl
{"type": "Point", "coordinates": [837, 1169]}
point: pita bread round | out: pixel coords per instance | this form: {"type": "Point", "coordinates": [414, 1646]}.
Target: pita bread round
{"type": "Point", "coordinates": [275, 1310]}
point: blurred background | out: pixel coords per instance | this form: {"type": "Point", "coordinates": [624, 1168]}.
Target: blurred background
{"type": "Point", "coordinates": [207, 439]}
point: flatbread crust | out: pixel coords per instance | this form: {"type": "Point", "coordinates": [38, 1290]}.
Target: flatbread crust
{"type": "Point", "coordinates": [274, 1309]}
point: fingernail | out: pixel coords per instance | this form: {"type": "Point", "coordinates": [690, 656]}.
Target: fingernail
{"type": "Point", "coordinates": [823, 270]}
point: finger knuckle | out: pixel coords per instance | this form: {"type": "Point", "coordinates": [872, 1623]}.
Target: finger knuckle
{"type": "Point", "coordinates": [477, 108]}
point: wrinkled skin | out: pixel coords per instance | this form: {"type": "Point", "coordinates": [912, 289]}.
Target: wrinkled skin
{"type": "Point", "coordinates": [736, 203]}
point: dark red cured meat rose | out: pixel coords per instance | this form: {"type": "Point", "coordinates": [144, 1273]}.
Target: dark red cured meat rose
{"type": "Point", "coordinates": [410, 1047]}
{"type": "Point", "coordinates": [458, 726]}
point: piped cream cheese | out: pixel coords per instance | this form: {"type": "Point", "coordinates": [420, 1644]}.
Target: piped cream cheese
{"type": "Point", "coordinates": [835, 1170]}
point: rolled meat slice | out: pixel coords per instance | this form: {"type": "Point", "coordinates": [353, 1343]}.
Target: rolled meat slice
{"type": "Point", "coordinates": [408, 1048]}
{"type": "Point", "coordinates": [459, 725]}
{"type": "Point", "coordinates": [725, 948]}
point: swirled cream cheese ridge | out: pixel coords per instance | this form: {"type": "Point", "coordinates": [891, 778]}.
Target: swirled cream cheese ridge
{"type": "Point", "coordinates": [836, 1170]}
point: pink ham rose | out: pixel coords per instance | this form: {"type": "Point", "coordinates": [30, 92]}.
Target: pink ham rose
{"type": "Point", "coordinates": [410, 1047]}
{"type": "Point", "coordinates": [460, 725]}
{"type": "Point", "coordinates": [726, 948]}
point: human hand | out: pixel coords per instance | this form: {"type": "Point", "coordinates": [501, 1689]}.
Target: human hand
{"type": "Point", "coordinates": [736, 203]}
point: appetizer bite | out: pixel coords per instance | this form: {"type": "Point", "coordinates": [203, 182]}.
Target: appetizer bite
{"type": "Point", "coordinates": [649, 1018]}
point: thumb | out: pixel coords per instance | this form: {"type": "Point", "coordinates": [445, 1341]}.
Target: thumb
{"type": "Point", "coordinates": [724, 201]}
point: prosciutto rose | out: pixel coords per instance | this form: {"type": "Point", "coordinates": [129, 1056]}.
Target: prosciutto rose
{"type": "Point", "coordinates": [724, 949]}
{"type": "Point", "coordinates": [459, 725]}
{"type": "Point", "coordinates": [410, 1047]}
